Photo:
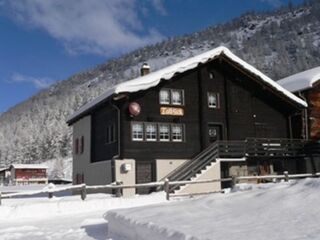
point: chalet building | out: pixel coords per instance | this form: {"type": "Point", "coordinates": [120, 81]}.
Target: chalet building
{"type": "Point", "coordinates": [306, 85]}
{"type": "Point", "coordinates": [25, 174]}
{"type": "Point", "coordinates": [210, 116]}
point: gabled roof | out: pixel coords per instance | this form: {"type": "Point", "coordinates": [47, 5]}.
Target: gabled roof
{"type": "Point", "coordinates": [28, 166]}
{"type": "Point", "coordinates": [3, 169]}
{"type": "Point", "coordinates": [301, 81]}
{"type": "Point", "coordinates": [154, 78]}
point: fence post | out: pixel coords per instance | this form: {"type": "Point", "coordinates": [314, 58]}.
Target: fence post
{"type": "Point", "coordinates": [50, 194]}
{"type": "Point", "coordinates": [233, 182]}
{"type": "Point", "coordinates": [83, 192]}
{"type": "Point", "coordinates": [118, 190]}
{"type": "Point", "coordinates": [166, 187]}
{"type": "Point", "coordinates": [286, 176]}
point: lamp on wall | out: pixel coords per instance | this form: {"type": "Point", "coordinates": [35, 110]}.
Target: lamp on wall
{"type": "Point", "coordinates": [134, 109]}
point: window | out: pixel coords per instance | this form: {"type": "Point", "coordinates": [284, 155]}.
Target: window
{"type": "Point", "coordinates": [213, 100]}
{"type": "Point", "coordinates": [151, 132]}
{"type": "Point", "coordinates": [176, 132]}
{"type": "Point", "coordinates": [171, 96]}
{"type": "Point", "coordinates": [176, 97]}
{"type": "Point", "coordinates": [165, 96]}
{"type": "Point", "coordinates": [157, 132]}
{"type": "Point", "coordinates": [164, 132]}
{"type": "Point", "coordinates": [137, 131]}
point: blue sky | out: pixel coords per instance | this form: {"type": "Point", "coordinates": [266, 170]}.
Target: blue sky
{"type": "Point", "coordinates": [44, 41]}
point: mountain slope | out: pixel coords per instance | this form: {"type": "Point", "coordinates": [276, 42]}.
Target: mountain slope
{"type": "Point", "coordinates": [279, 44]}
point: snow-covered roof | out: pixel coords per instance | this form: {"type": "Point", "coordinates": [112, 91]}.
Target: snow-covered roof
{"type": "Point", "coordinates": [154, 78]}
{"type": "Point", "coordinates": [29, 166]}
{"type": "Point", "coordinates": [3, 169]}
{"type": "Point", "coordinates": [301, 81]}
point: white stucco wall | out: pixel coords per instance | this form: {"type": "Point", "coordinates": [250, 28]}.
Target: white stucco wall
{"type": "Point", "coordinates": [165, 166]}
{"type": "Point", "coordinates": [212, 172]}
{"type": "Point", "coordinates": [94, 173]}
{"type": "Point", "coordinates": [126, 177]}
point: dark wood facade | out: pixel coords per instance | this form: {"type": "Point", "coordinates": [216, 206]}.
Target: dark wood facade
{"type": "Point", "coordinates": [247, 108]}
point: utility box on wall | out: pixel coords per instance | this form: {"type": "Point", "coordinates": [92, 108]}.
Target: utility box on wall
{"type": "Point", "coordinates": [125, 173]}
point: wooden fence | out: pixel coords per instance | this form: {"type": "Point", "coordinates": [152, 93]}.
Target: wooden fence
{"type": "Point", "coordinates": [82, 189]}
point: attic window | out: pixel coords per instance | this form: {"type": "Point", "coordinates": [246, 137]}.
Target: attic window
{"type": "Point", "coordinates": [213, 100]}
{"type": "Point", "coordinates": [176, 97]}
{"type": "Point", "coordinates": [171, 96]}
{"type": "Point", "coordinates": [165, 96]}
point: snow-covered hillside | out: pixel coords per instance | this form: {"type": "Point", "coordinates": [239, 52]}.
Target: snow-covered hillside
{"type": "Point", "coordinates": [279, 44]}
{"type": "Point", "coordinates": [275, 211]}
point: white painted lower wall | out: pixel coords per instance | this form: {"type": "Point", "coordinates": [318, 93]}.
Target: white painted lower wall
{"type": "Point", "coordinates": [125, 172]}
{"type": "Point", "coordinates": [97, 173]}
{"type": "Point", "coordinates": [165, 166]}
{"type": "Point", "coordinates": [213, 171]}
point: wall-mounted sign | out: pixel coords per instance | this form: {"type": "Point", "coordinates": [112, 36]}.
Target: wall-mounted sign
{"type": "Point", "coordinates": [171, 111]}
{"type": "Point", "coordinates": [134, 109]}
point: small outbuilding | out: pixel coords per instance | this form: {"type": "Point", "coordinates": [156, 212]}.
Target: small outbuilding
{"type": "Point", "coordinates": [24, 174]}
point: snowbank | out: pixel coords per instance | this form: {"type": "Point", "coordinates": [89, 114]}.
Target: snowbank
{"type": "Point", "coordinates": [43, 208]}
{"type": "Point", "coordinates": [272, 211]}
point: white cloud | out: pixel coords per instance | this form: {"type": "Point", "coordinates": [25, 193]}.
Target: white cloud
{"type": "Point", "coordinates": [39, 83]}
{"type": "Point", "coordinates": [158, 5]}
{"type": "Point", "coordinates": [96, 26]}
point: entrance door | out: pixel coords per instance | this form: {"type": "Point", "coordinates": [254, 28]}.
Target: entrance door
{"type": "Point", "coordinates": [214, 133]}
{"type": "Point", "coordinates": [144, 175]}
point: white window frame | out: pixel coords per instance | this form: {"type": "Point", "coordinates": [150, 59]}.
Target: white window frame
{"type": "Point", "coordinates": [151, 136]}
{"type": "Point", "coordinates": [180, 139]}
{"type": "Point", "coordinates": [161, 134]}
{"type": "Point", "coordinates": [134, 135]}
{"type": "Point", "coordinates": [165, 102]}
{"type": "Point", "coordinates": [170, 100]}
{"type": "Point", "coordinates": [217, 97]}
{"type": "Point", "coordinates": [180, 91]}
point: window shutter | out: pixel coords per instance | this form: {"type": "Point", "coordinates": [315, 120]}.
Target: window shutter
{"type": "Point", "coordinates": [82, 144]}
{"type": "Point", "coordinates": [76, 146]}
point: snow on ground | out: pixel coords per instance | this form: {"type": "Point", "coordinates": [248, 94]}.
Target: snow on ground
{"type": "Point", "coordinates": [278, 211]}
{"type": "Point", "coordinates": [270, 211]}
{"type": "Point", "coordinates": [63, 217]}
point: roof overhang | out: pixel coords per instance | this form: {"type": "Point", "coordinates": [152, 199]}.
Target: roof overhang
{"type": "Point", "coordinates": [301, 81]}
{"type": "Point", "coordinates": [154, 78]}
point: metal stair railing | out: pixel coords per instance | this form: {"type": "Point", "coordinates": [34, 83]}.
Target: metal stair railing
{"type": "Point", "coordinates": [194, 166]}
{"type": "Point", "coordinates": [189, 163]}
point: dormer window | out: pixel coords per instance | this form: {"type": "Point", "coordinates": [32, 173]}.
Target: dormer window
{"type": "Point", "coordinates": [171, 97]}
